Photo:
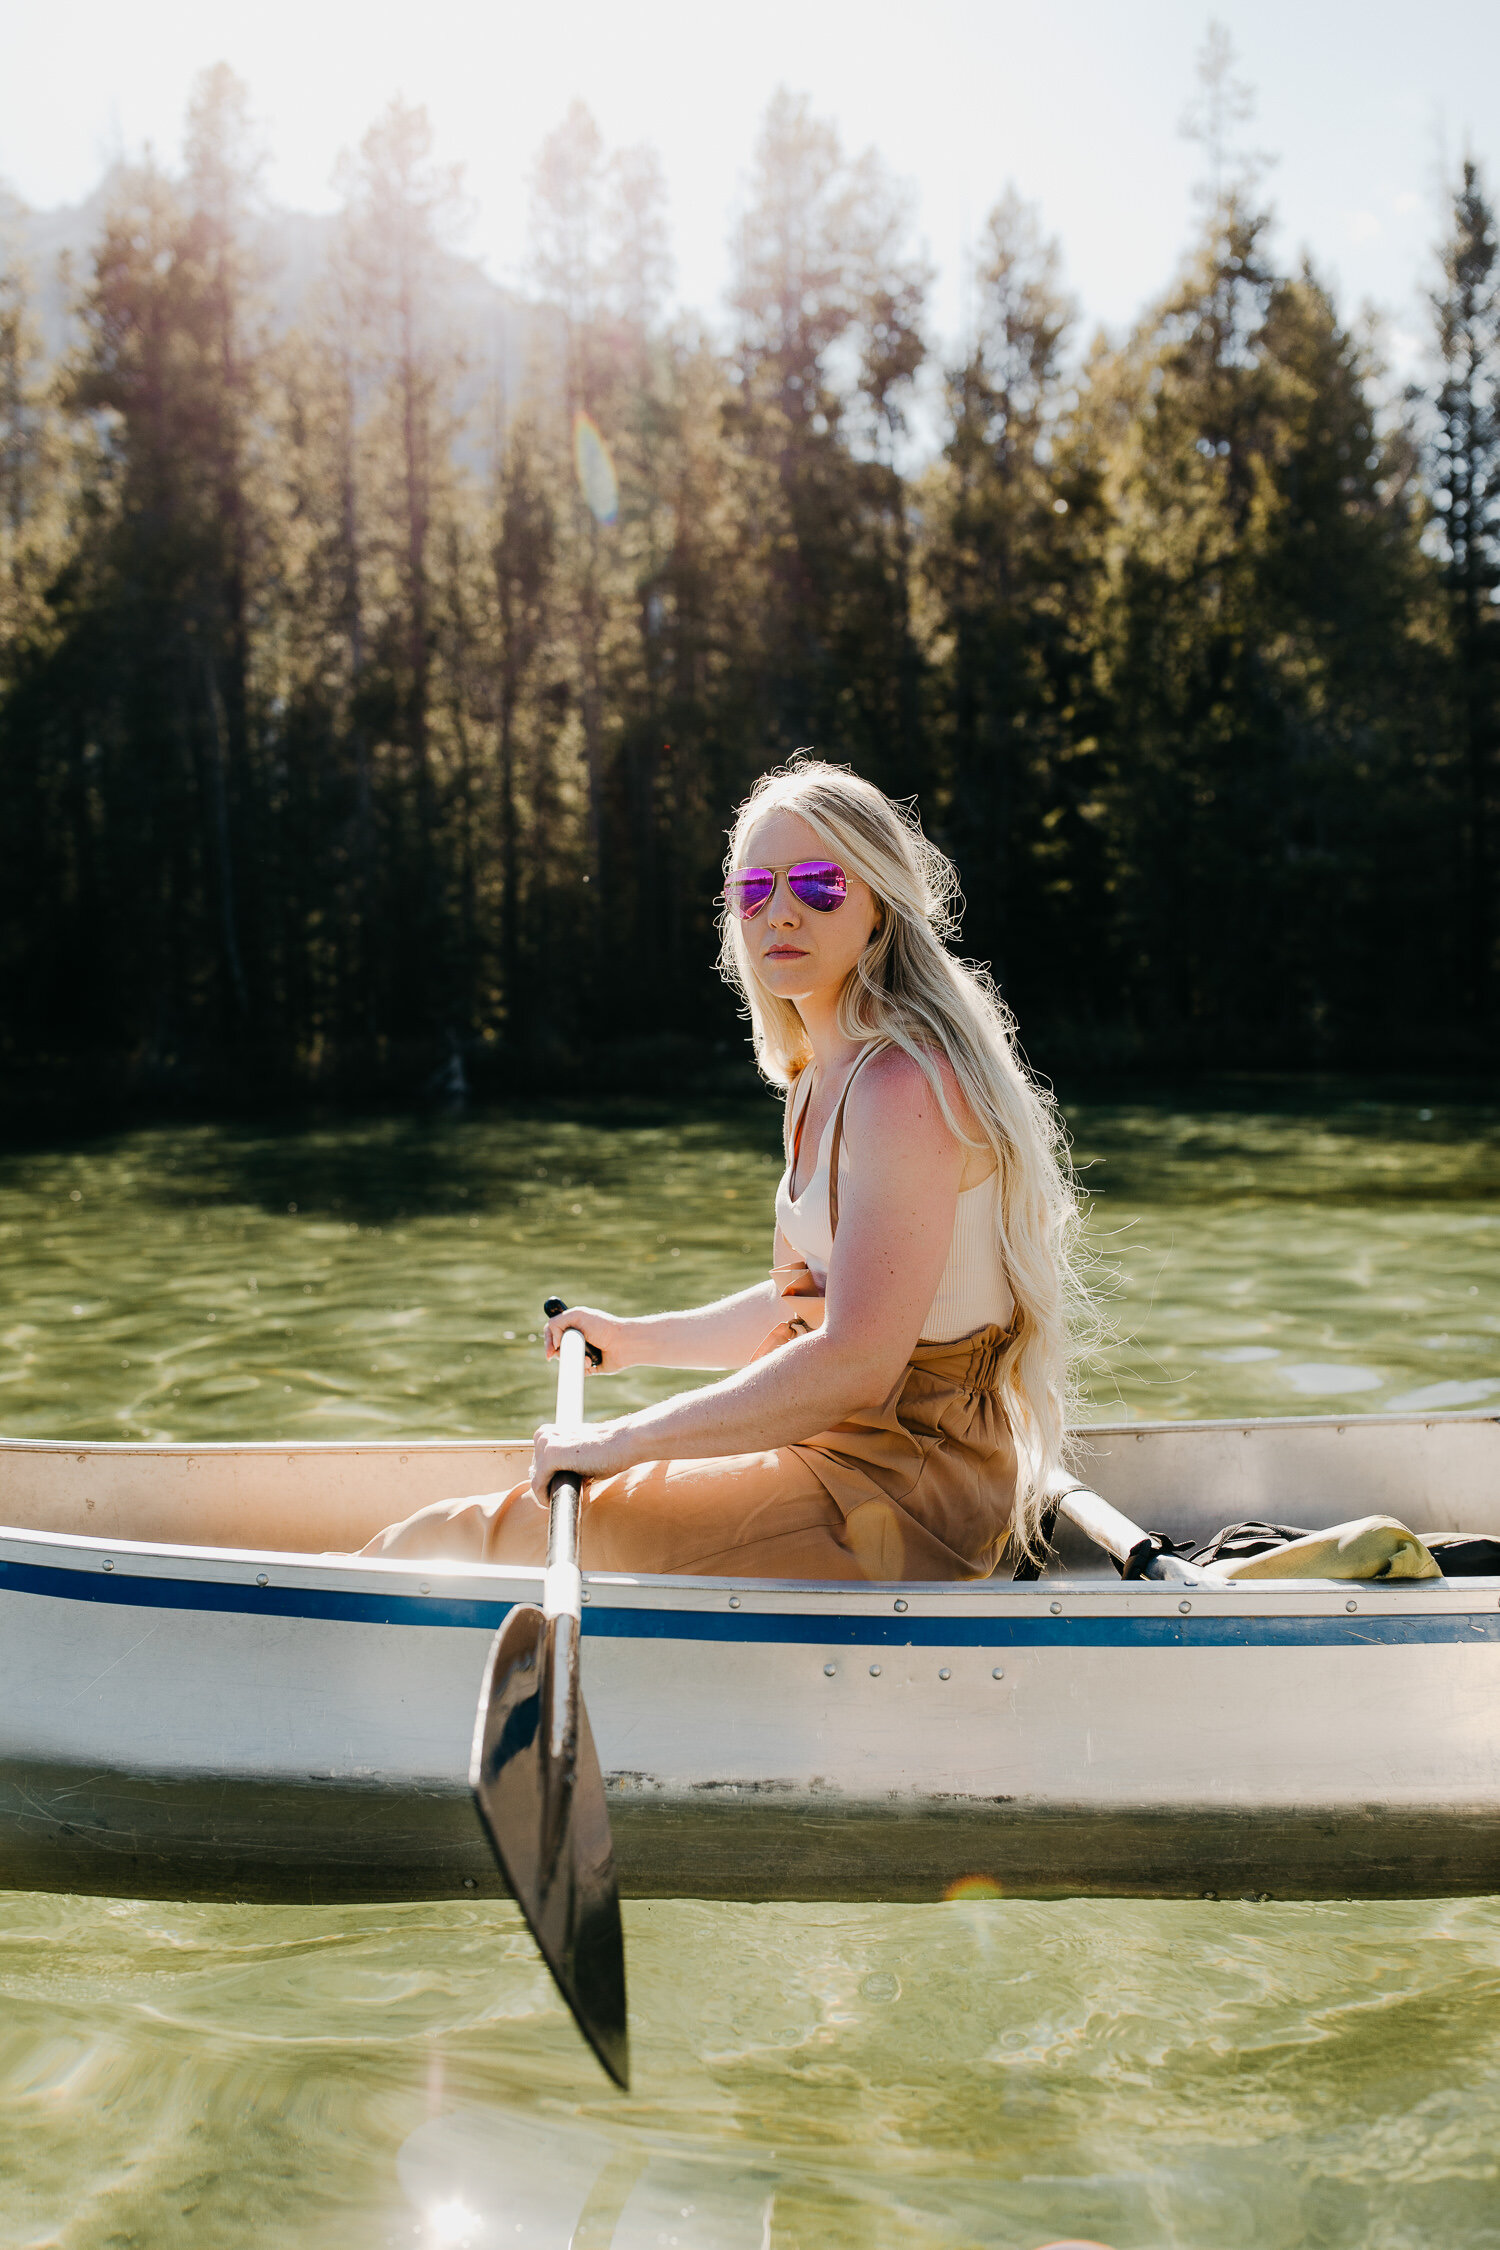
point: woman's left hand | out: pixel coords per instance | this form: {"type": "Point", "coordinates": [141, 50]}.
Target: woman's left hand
{"type": "Point", "coordinates": [595, 1452]}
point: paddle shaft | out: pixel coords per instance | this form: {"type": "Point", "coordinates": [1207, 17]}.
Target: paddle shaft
{"type": "Point", "coordinates": [562, 1589]}
{"type": "Point", "coordinates": [1123, 1540]}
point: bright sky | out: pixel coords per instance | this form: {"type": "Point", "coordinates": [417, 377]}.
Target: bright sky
{"type": "Point", "coordinates": [1077, 101]}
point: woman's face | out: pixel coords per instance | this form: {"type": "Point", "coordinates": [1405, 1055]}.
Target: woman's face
{"type": "Point", "coordinates": [799, 953]}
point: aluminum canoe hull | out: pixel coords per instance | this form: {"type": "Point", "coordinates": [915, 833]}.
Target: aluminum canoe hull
{"type": "Point", "coordinates": [247, 1723]}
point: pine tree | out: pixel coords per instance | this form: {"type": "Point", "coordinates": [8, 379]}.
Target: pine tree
{"type": "Point", "coordinates": [523, 560]}
{"type": "Point", "coordinates": [1268, 601]}
{"type": "Point", "coordinates": [1009, 560]}
{"type": "Point", "coordinates": [1267, 604]}
{"type": "Point", "coordinates": [829, 309]}
{"type": "Point", "coordinates": [38, 471]}
{"type": "Point", "coordinates": [159, 645]}
{"type": "Point", "coordinates": [568, 253]}
{"type": "Point", "coordinates": [1466, 488]}
{"type": "Point", "coordinates": [402, 209]}
{"type": "Point", "coordinates": [34, 469]}
{"type": "Point", "coordinates": [221, 172]}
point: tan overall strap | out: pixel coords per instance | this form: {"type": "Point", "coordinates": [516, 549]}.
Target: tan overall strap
{"type": "Point", "coordinates": [792, 1130]}
{"type": "Point", "coordinates": [875, 1047]}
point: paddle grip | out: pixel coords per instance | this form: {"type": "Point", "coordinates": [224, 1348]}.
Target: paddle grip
{"type": "Point", "coordinates": [552, 1307]}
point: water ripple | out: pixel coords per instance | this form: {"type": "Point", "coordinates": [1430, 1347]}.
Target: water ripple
{"type": "Point", "coordinates": [983, 2075]}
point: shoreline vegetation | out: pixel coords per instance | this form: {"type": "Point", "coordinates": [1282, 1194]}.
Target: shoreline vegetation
{"type": "Point", "coordinates": [62, 1100]}
{"type": "Point", "coordinates": [382, 654]}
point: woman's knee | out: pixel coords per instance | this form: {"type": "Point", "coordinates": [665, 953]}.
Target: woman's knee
{"type": "Point", "coordinates": [445, 1531]}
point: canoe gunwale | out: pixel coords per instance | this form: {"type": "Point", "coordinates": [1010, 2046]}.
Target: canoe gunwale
{"type": "Point", "coordinates": [1083, 1432]}
{"type": "Point", "coordinates": [125, 1560]}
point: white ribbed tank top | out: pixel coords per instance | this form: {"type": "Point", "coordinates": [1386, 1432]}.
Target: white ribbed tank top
{"type": "Point", "coordinates": [973, 1290]}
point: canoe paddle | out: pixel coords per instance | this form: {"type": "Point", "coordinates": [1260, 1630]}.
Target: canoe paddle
{"type": "Point", "coordinates": [534, 1772]}
{"type": "Point", "coordinates": [1134, 1553]}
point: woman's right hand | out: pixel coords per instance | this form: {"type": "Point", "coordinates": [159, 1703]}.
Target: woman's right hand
{"type": "Point", "coordinates": [609, 1335]}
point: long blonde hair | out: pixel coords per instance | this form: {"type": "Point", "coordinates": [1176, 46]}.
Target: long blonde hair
{"type": "Point", "coordinates": [908, 990]}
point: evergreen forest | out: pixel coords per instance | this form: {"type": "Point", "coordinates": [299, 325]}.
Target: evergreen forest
{"type": "Point", "coordinates": [381, 659]}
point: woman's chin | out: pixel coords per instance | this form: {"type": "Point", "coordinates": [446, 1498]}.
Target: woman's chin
{"type": "Point", "coordinates": [789, 986]}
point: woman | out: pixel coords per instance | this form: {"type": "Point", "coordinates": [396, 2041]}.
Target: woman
{"type": "Point", "coordinates": [902, 1377]}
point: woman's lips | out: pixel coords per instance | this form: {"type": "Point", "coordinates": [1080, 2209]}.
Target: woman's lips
{"type": "Point", "coordinates": [784, 953]}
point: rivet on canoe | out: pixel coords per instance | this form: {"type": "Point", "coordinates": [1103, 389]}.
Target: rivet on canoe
{"type": "Point", "coordinates": [1185, 1607]}
{"type": "Point", "coordinates": [1351, 1607]}
{"type": "Point", "coordinates": [734, 1601]}
{"type": "Point", "coordinates": [900, 1605]}
{"type": "Point", "coordinates": [261, 1579]}
{"type": "Point", "coordinates": [998, 1673]}
{"type": "Point", "coordinates": [470, 1884]}
{"type": "Point", "coordinates": [1057, 1609]}
{"type": "Point", "coordinates": [874, 1671]}
{"type": "Point", "coordinates": [424, 1588]}
{"type": "Point", "coordinates": [583, 1597]}
{"type": "Point", "coordinates": [829, 1670]}
{"type": "Point", "coordinates": [944, 1673]}
{"type": "Point", "coordinates": [107, 1564]}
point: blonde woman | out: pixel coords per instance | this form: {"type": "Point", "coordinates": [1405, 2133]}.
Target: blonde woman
{"type": "Point", "coordinates": [900, 1384]}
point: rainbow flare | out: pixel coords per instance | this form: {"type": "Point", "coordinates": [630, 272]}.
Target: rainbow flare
{"type": "Point", "coordinates": [973, 1886]}
{"type": "Point", "coordinates": [596, 470]}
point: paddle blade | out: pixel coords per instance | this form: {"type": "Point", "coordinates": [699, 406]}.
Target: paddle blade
{"type": "Point", "coordinates": [540, 1797]}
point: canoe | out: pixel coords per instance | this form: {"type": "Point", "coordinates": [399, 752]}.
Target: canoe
{"type": "Point", "coordinates": [196, 1701]}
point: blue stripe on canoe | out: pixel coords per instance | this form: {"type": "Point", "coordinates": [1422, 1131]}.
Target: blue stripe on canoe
{"type": "Point", "coordinates": [819, 1631]}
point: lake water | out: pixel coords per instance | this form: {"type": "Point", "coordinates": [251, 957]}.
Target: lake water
{"type": "Point", "coordinates": [945, 2077]}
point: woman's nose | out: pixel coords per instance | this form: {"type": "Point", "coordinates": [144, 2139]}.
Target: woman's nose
{"type": "Point", "coordinates": [783, 905]}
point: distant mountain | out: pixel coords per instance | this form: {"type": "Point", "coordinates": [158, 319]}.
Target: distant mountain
{"type": "Point", "coordinates": [497, 330]}
{"type": "Point", "coordinates": [56, 247]}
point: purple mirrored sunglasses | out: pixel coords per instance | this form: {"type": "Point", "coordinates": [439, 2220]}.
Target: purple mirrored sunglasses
{"type": "Point", "coordinates": [818, 883]}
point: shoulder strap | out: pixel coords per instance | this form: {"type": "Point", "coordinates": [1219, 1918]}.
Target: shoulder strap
{"type": "Point", "coordinates": [874, 1047]}
{"type": "Point", "coordinates": [792, 1131]}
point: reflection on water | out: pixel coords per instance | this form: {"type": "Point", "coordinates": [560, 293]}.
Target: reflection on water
{"type": "Point", "coordinates": [907, 2078]}
{"type": "Point", "coordinates": [478, 2177]}
{"type": "Point", "coordinates": [1297, 1261]}
{"type": "Point", "coordinates": [386, 1279]}
{"type": "Point", "coordinates": [363, 1281]}
{"type": "Point", "coordinates": [974, 2073]}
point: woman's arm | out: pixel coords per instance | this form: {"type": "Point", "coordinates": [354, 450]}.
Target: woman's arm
{"type": "Point", "coordinates": [897, 1201]}
{"type": "Point", "coordinates": [718, 1335]}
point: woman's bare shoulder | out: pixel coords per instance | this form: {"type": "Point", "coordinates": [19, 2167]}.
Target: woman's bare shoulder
{"type": "Point", "coordinates": [894, 1092]}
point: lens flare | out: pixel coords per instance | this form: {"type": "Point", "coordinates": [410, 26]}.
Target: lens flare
{"type": "Point", "coordinates": [452, 2225]}
{"type": "Point", "coordinates": [973, 1886]}
{"type": "Point", "coordinates": [596, 470]}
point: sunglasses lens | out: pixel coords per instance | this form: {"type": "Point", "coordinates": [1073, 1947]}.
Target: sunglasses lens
{"type": "Point", "coordinates": [748, 889]}
{"type": "Point", "coordinates": [820, 884]}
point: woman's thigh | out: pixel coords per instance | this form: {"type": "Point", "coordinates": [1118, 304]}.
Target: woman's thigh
{"type": "Point", "coordinates": [743, 1515]}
